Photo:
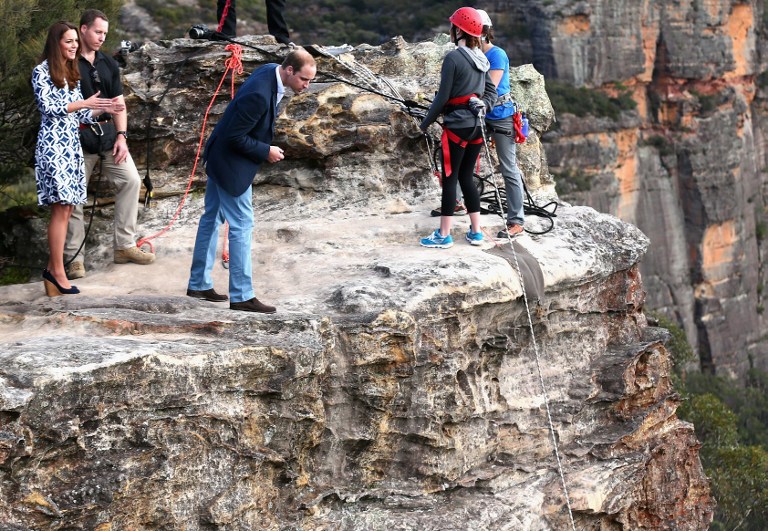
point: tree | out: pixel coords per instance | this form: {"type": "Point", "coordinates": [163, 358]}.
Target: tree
{"type": "Point", "coordinates": [739, 473]}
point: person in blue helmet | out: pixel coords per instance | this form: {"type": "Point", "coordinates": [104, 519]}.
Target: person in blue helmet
{"type": "Point", "coordinates": [466, 91]}
{"type": "Point", "coordinates": [499, 123]}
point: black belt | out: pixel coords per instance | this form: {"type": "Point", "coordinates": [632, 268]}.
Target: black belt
{"type": "Point", "coordinates": [492, 129]}
{"type": "Point", "coordinates": [504, 98]}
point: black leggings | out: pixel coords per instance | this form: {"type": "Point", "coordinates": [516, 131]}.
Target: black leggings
{"type": "Point", "coordinates": [463, 161]}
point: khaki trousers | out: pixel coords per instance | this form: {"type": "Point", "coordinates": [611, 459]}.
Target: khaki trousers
{"type": "Point", "coordinates": [125, 178]}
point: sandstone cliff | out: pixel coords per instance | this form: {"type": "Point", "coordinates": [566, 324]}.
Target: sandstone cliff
{"type": "Point", "coordinates": [687, 167]}
{"type": "Point", "coordinates": [396, 388]}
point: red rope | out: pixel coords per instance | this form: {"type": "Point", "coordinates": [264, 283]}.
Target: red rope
{"type": "Point", "coordinates": [224, 16]}
{"type": "Point", "coordinates": [224, 244]}
{"type": "Point", "coordinates": [234, 64]}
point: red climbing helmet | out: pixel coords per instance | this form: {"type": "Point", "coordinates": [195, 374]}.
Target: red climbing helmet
{"type": "Point", "coordinates": [468, 20]}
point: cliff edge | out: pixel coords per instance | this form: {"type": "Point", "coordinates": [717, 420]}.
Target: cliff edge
{"type": "Point", "coordinates": [397, 387]}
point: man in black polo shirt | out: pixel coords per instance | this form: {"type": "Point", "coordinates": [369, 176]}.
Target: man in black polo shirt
{"type": "Point", "coordinates": [99, 72]}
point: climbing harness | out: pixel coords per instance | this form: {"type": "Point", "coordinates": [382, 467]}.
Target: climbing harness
{"type": "Point", "coordinates": [533, 334]}
{"type": "Point", "coordinates": [450, 136]}
{"type": "Point", "coordinates": [372, 83]}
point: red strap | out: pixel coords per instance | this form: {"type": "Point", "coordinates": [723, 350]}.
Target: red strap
{"type": "Point", "coordinates": [517, 122]}
{"type": "Point", "coordinates": [224, 14]}
{"type": "Point", "coordinates": [449, 135]}
{"type": "Point", "coordinates": [458, 100]}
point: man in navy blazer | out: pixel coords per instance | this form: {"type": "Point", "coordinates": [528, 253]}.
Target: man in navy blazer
{"type": "Point", "coordinates": [240, 142]}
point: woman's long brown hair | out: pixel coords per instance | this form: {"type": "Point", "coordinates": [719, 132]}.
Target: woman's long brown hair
{"type": "Point", "coordinates": [470, 40]}
{"type": "Point", "coordinates": [62, 70]}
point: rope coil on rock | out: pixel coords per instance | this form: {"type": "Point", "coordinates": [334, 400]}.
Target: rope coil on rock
{"type": "Point", "coordinates": [234, 66]}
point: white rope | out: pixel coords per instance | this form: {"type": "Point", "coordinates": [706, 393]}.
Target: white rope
{"type": "Point", "coordinates": [367, 76]}
{"type": "Point", "coordinates": [530, 324]}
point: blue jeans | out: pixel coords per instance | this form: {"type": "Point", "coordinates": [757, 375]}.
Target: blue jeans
{"type": "Point", "coordinates": [238, 212]}
{"type": "Point", "coordinates": [506, 149]}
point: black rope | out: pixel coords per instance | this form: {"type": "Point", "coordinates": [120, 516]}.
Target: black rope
{"type": "Point", "coordinates": [408, 104]}
{"type": "Point", "coordinates": [10, 262]}
{"type": "Point", "coordinates": [488, 203]}
{"type": "Point", "coordinates": [93, 211]}
{"type": "Point", "coordinates": [174, 77]}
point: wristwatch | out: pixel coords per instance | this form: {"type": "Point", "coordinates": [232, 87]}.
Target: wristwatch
{"type": "Point", "coordinates": [124, 133]}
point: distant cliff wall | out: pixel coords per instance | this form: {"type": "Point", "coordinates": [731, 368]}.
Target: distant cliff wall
{"type": "Point", "coordinates": [687, 166]}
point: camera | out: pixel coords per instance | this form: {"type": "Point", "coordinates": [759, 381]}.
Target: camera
{"type": "Point", "coordinates": [121, 53]}
{"type": "Point", "coordinates": [127, 47]}
{"type": "Point", "coordinates": [201, 31]}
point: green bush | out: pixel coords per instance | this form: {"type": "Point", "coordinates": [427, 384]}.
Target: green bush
{"type": "Point", "coordinates": [714, 421]}
{"type": "Point", "coordinates": [749, 402]}
{"type": "Point", "coordinates": [662, 145]}
{"type": "Point", "coordinates": [582, 101]}
{"type": "Point", "coordinates": [740, 485]}
{"type": "Point", "coordinates": [572, 180]}
{"type": "Point", "coordinates": [731, 422]}
{"type": "Point", "coordinates": [761, 230]}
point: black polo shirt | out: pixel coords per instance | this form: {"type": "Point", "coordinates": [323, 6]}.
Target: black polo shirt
{"type": "Point", "coordinates": [108, 77]}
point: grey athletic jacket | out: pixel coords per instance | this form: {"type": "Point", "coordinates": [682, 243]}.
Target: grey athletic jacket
{"type": "Point", "coordinates": [464, 71]}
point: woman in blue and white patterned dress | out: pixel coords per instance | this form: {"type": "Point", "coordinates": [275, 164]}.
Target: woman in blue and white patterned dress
{"type": "Point", "coordinates": [59, 165]}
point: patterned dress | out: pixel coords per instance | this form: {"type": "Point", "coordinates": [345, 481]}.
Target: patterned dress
{"type": "Point", "coordinates": [59, 163]}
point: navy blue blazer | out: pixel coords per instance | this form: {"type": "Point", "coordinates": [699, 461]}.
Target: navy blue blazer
{"type": "Point", "coordinates": [240, 141]}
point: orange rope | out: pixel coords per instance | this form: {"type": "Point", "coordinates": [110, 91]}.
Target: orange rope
{"type": "Point", "coordinates": [224, 245]}
{"type": "Point", "coordinates": [234, 63]}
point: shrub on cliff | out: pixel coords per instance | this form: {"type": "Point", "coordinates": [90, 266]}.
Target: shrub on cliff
{"type": "Point", "coordinates": [732, 423]}
{"type": "Point", "coordinates": [739, 473]}
{"type": "Point", "coordinates": [583, 101]}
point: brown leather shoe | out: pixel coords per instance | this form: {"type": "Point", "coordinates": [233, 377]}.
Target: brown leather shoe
{"type": "Point", "coordinates": [252, 305]}
{"type": "Point", "coordinates": [207, 294]}
{"type": "Point", "coordinates": [513, 229]}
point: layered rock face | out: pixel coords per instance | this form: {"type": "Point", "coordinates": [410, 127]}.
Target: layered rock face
{"type": "Point", "coordinates": [396, 388]}
{"type": "Point", "coordinates": [687, 166]}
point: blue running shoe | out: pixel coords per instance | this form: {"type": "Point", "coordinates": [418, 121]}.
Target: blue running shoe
{"type": "Point", "coordinates": [436, 241]}
{"type": "Point", "coordinates": [475, 238]}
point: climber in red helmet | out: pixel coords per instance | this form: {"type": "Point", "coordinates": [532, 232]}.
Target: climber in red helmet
{"type": "Point", "coordinates": [466, 91]}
